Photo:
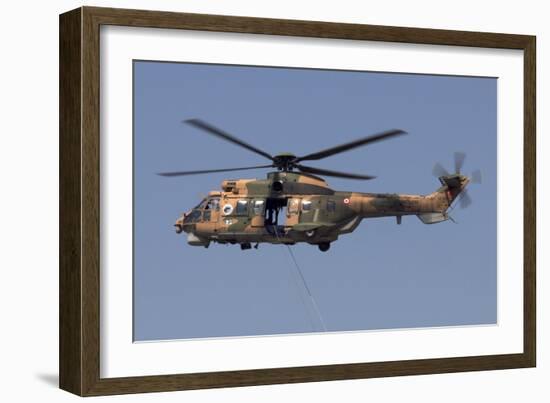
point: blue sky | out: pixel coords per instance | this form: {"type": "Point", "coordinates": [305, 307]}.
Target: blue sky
{"type": "Point", "coordinates": [382, 276]}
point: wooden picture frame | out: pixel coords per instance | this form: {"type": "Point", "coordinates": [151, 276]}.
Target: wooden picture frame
{"type": "Point", "coordinates": [79, 278]}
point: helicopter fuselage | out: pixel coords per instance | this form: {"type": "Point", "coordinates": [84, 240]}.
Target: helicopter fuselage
{"type": "Point", "coordinates": [289, 207]}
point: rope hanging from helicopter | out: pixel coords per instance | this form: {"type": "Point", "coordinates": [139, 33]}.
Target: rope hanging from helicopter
{"type": "Point", "coordinates": [305, 286]}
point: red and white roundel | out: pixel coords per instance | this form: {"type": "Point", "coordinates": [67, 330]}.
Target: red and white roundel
{"type": "Point", "coordinates": [346, 201]}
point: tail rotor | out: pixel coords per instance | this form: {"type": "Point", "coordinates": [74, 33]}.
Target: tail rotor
{"type": "Point", "coordinates": [438, 170]}
{"type": "Point", "coordinates": [459, 161]}
{"type": "Point", "coordinates": [445, 177]}
{"type": "Point", "coordinates": [464, 199]}
{"type": "Point", "coordinates": [476, 177]}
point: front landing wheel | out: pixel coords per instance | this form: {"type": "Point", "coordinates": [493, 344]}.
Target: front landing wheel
{"type": "Point", "coordinates": [324, 246]}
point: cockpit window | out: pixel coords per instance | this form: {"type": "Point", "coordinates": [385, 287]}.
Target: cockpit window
{"type": "Point", "coordinates": [192, 217]}
{"type": "Point", "coordinates": [201, 205]}
{"type": "Point", "coordinates": [213, 204]}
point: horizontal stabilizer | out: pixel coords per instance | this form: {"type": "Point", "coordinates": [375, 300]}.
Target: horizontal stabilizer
{"type": "Point", "coordinates": [433, 218]}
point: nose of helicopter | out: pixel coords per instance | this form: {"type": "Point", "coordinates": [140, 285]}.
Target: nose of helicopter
{"type": "Point", "coordinates": [181, 223]}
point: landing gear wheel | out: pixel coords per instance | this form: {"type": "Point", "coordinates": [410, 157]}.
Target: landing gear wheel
{"type": "Point", "coordinates": [179, 228]}
{"type": "Point", "coordinates": [324, 246]}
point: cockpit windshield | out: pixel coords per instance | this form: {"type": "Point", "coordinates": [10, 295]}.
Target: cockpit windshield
{"type": "Point", "coordinates": [211, 203]}
{"type": "Point", "coordinates": [202, 211]}
{"type": "Point", "coordinates": [192, 217]}
{"type": "Point", "coordinates": [201, 205]}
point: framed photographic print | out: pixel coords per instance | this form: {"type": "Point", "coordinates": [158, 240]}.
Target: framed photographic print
{"type": "Point", "coordinates": [249, 201]}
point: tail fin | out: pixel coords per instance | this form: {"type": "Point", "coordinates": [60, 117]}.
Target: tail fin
{"type": "Point", "coordinates": [452, 186]}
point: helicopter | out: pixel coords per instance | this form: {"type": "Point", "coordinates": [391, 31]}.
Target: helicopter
{"type": "Point", "coordinates": [295, 204]}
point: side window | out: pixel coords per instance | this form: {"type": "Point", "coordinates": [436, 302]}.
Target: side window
{"type": "Point", "coordinates": [258, 207]}
{"type": "Point", "coordinates": [242, 207]}
{"type": "Point", "coordinates": [331, 206]}
{"type": "Point", "coordinates": [206, 215]}
{"type": "Point", "coordinates": [293, 205]}
{"type": "Point", "coordinates": [306, 205]}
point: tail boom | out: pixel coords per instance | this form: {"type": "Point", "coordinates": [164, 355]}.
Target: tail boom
{"type": "Point", "coordinates": [430, 209]}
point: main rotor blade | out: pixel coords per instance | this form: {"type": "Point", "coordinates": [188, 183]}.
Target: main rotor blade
{"type": "Point", "coordinates": [353, 144]}
{"type": "Point", "coordinates": [459, 161]}
{"type": "Point", "coordinates": [226, 136]}
{"type": "Point", "coordinates": [439, 170]}
{"type": "Point", "coordinates": [208, 171]}
{"type": "Point", "coordinates": [336, 174]}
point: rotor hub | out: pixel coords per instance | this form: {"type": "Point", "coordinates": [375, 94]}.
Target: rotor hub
{"type": "Point", "coordinates": [284, 161]}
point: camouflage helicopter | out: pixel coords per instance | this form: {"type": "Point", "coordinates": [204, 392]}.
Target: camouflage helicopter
{"type": "Point", "coordinates": [293, 204]}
